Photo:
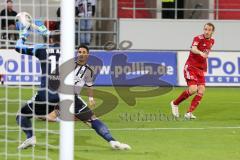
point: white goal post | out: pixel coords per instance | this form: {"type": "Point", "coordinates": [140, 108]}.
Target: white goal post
{"type": "Point", "coordinates": [67, 53]}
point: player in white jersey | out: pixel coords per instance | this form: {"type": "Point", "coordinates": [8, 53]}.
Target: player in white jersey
{"type": "Point", "coordinates": [85, 9]}
{"type": "Point", "coordinates": [84, 76]}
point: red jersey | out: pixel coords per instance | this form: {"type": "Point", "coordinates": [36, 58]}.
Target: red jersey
{"type": "Point", "coordinates": [203, 45]}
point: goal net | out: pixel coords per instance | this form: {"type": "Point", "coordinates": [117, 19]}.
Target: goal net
{"type": "Point", "coordinates": [20, 80]}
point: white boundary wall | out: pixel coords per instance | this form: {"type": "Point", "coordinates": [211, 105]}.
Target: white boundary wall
{"type": "Point", "coordinates": [157, 34]}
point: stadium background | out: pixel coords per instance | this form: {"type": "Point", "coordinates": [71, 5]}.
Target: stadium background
{"type": "Point", "coordinates": [159, 34]}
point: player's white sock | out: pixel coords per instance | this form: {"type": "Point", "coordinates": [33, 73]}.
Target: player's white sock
{"type": "Point", "coordinates": [189, 115]}
{"type": "Point", "coordinates": [175, 111]}
{"type": "Point", "coordinates": [28, 143]}
{"type": "Point", "coordinates": [119, 146]}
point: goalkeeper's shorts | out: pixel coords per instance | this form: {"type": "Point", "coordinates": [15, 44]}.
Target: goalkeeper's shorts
{"type": "Point", "coordinates": [40, 104]}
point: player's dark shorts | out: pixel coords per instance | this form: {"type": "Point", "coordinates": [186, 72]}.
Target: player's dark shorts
{"type": "Point", "coordinates": [82, 111]}
{"type": "Point", "coordinates": [42, 104]}
{"type": "Point", "coordinates": [193, 75]}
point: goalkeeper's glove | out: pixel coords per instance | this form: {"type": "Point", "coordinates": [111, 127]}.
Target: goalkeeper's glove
{"type": "Point", "coordinates": [20, 46]}
{"type": "Point", "coordinates": [24, 30]}
{"type": "Point", "coordinates": [20, 43]}
{"type": "Point", "coordinates": [40, 28]}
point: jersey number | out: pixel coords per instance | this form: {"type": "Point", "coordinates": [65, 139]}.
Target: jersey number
{"type": "Point", "coordinates": [54, 64]}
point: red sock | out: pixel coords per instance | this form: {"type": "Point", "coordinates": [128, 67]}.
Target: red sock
{"type": "Point", "coordinates": [182, 97]}
{"type": "Point", "coordinates": [195, 102]}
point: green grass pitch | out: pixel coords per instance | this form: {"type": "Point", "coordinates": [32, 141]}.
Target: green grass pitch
{"type": "Point", "coordinates": [214, 135]}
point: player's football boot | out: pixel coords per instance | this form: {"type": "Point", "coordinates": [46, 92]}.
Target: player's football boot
{"type": "Point", "coordinates": [119, 146]}
{"type": "Point", "coordinates": [28, 143]}
{"type": "Point", "coordinates": [125, 146]}
{"type": "Point", "coordinates": [189, 115]}
{"type": "Point", "coordinates": [175, 111]}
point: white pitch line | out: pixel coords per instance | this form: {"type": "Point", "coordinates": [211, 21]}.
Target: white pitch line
{"type": "Point", "coordinates": [143, 129]}
{"type": "Point", "coordinates": [226, 102]}
{"type": "Point", "coordinates": [154, 129]}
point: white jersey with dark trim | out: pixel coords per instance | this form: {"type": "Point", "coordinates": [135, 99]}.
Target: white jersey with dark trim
{"type": "Point", "coordinates": [83, 76]}
{"type": "Point", "coordinates": [85, 7]}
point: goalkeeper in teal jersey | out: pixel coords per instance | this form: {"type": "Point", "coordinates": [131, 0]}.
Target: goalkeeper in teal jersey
{"type": "Point", "coordinates": [46, 98]}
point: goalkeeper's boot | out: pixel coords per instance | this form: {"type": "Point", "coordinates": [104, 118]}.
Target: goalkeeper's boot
{"type": "Point", "coordinates": [175, 111]}
{"type": "Point", "coordinates": [119, 146]}
{"type": "Point", "coordinates": [189, 115]}
{"type": "Point", "coordinates": [28, 143]}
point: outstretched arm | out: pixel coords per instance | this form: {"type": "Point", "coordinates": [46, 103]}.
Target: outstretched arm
{"type": "Point", "coordinates": [22, 48]}
{"type": "Point", "coordinates": [36, 27]}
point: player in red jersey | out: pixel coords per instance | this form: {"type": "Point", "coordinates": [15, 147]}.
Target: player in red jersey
{"type": "Point", "coordinates": [194, 71]}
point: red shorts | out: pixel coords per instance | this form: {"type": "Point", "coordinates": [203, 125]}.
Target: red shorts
{"type": "Point", "coordinates": [193, 75]}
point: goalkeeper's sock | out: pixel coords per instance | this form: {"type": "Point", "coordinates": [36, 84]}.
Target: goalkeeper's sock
{"type": "Point", "coordinates": [182, 97]}
{"type": "Point", "coordinates": [102, 130]}
{"type": "Point", "coordinates": [195, 102]}
{"type": "Point", "coordinates": [26, 125]}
